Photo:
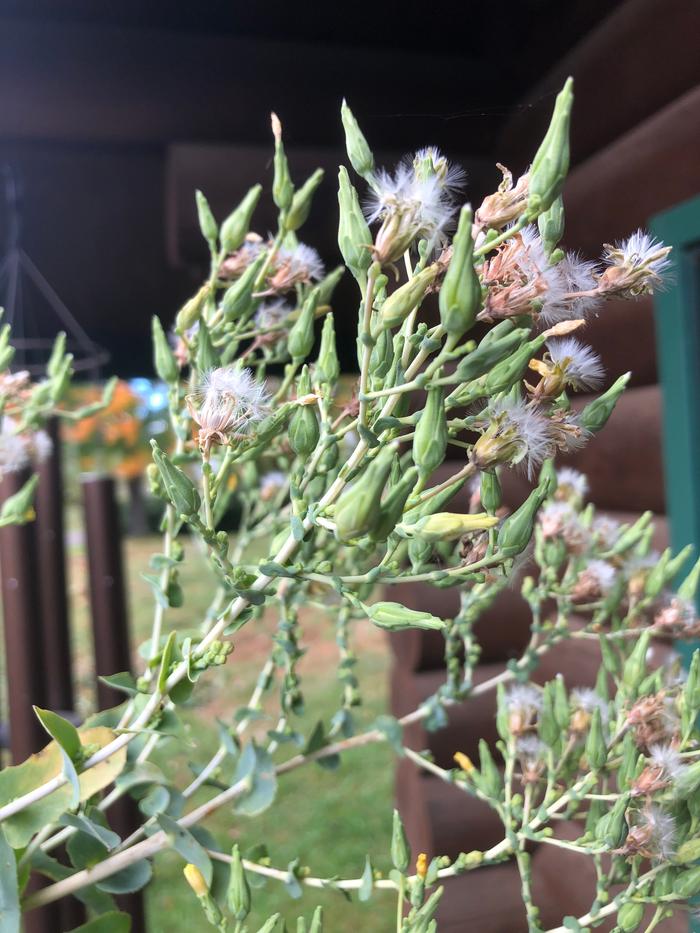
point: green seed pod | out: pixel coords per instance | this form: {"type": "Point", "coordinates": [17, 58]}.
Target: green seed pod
{"type": "Point", "coordinates": [616, 828]}
{"type": "Point", "coordinates": [490, 492]}
{"type": "Point", "coordinates": [163, 360]}
{"type": "Point", "coordinates": [301, 201]}
{"type": "Point", "coordinates": [238, 894]}
{"type": "Point", "coordinates": [282, 187]}
{"type": "Point", "coordinates": [516, 531]}
{"type": "Point", "coordinates": [551, 226]}
{"type": "Point", "coordinates": [406, 298]}
{"type": "Point", "coordinates": [301, 335]}
{"type": "Point", "coordinates": [687, 883]}
{"type": "Point", "coordinates": [393, 505]}
{"type": "Point", "coordinates": [430, 438]}
{"type": "Point", "coordinates": [317, 921]}
{"type": "Point", "coordinates": [327, 285]}
{"type": "Point", "coordinates": [18, 508]}
{"type": "Point", "coordinates": [551, 163]}
{"type": "Point", "coordinates": [596, 749]}
{"type": "Point", "coordinates": [691, 689]}
{"type": "Point", "coordinates": [304, 430]}
{"type": "Point", "coordinates": [207, 224]}
{"type": "Point", "coordinates": [460, 294]}
{"type": "Point", "coordinates": [382, 356]}
{"type": "Point", "coordinates": [327, 368]}
{"type": "Point", "coordinates": [487, 354]}
{"type": "Point", "coordinates": [629, 916]}
{"type": "Point", "coordinates": [207, 357]}
{"type": "Point", "coordinates": [178, 486]}
{"type": "Point", "coordinates": [237, 224]}
{"type": "Point", "coordinates": [636, 664]}
{"type": "Point", "coordinates": [354, 235]}
{"type": "Point", "coordinates": [547, 726]}
{"type": "Point", "coordinates": [238, 297]}
{"type": "Point", "coordinates": [396, 618]}
{"type": "Point", "coordinates": [359, 153]}
{"type": "Point", "coordinates": [400, 850]}
{"type": "Point", "coordinates": [358, 508]}
{"type": "Point", "coordinates": [595, 415]}
{"type": "Point", "coordinates": [191, 311]}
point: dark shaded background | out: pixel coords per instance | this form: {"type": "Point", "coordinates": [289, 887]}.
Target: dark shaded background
{"type": "Point", "coordinates": [114, 111]}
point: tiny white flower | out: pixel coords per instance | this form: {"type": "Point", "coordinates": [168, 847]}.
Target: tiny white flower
{"type": "Point", "coordinates": [580, 365]}
{"type": "Point", "coordinates": [571, 484]}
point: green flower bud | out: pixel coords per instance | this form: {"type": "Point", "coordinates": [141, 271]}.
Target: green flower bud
{"type": "Point", "coordinates": [317, 921]}
{"type": "Point", "coordinates": [629, 916]}
{"type": "Point", "coordinates": [237, 224]}
{"type": "Point", "coordinates": [490, 493]}
{"type": "Point", "coordinates": [301, 202]}
{"type": "Point", "coordinates": [687, 883]}
{"type": "Point", "coordinates": [628, 765]}
{"type": "Point", "coordinates": [551, 226]}
{"type": "Point", "coordinates": [358, 508]}
{"type": "Point", "coordinates": [327, 365]}
{"type": "Point", "coordinates": [207, 357]}
{"type": "Point", "coordinates": [282, 187]}
{"type": "Point", "coordinates": [406, 298]}
{"type": "Point", "coordinates": [596, 749]}
{"type": "Point", "coordinates": [270, 924]}
{"type": "Point", "coordinates": [595, 415]}
{"type": "Point", "coordinates": [636, 664]}
{"type": "Point", "coordinates": [562, 713]}
{"type": "Point", "coordinates": [382, 356]}
{"type": "Point", "coordinates": [489, 780]}
{"type": "Point", "coordinates": [505, 374]}
{"type": "Point", "coordinates": [163, 360]}
{"type": "Point", "coordinates": [191, 311]}
{"type": "Point", "coordinates": [656, 578]}
{"type": "Point", "coordinates": [419, 552]}
{"type": "Point", "coordinates": [430, 437]}
{"type": "Point", "coordinates": [547, 725]}
{"type": "Point", "coordinates": [448, 526]}
{"type": "Point", "coordinates": [354, 237]}
{"type": "Point", "coordinates": [359, 153]}
{"type": "Point", "coordinates": [551, 163]}
{"type": "Point", "coordinates": [7, 352]}
{"type": "Point", "coordinates": [488, 353]}
{"type": "Point", "coordinates": [516, 531]}
{"type": "Point", "coordinates": [686, 784]}
{"type": "Point", "coordinates": [178, 487]}
{"type": "Point", "coordinates": [301, 335]}
{"type": "Point", "coordinates": [18, 508]}
{"type": "Point", "coordinates": [400, 850]}
{"type": "Point", "coordinates": [395, 617]}
{"type": "Point", "coordinates": [393, 505]}
{"type": "Point", "coordinates": [460, 294]}
{"type": "Point", "coordinates": [304, 430]}
{"type": "Point", "coordinates": [238, 895]}
{"type": "Point", "coordinates": [691, 688]}
{"type": "Point", "coordinates": [689, 587]}
{"type": "Point", "coordinates": [616, 824]}
{"type": "Point", "coordinates": [326, 286]}
{"type": "Point", "coordinates": [238, 297]}
{"type": "Point", "coordinates": [207, 224]}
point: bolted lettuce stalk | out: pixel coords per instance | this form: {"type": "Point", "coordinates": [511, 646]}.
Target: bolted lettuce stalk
{"type": "Point", "coordinates": [460, 294]}
{"type": "Point", "coordinates": [551, 163]}
{"type": "Point", "coordinates": [354, 237]}
{"type": "Point", "coordinates": [237, 224]}
{"type": "Point", "coordinates": [358, 150]}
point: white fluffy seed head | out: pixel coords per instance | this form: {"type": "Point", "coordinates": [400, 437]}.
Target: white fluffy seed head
{"type": "Point", "coordinates": [603, 573]}
{"type": "Point", "coordinates": [585, 699]}
{"type": "Point", "coordinates": [271, 314]}
{"type": "Point", "coordinates": [668, 758]}
{"type": "Point", "coordinates": [523, 698]}
{"type": "Point", "coordinates": [571, 484]}
{"type": "Point", "coordinates": [518, 432]}
{"type": "Point", "coordinates": [581, 365]}
{"type": "Point", "coordinates": [605, 531]}
{"type": "Point", "coordinates": [228, 401]}
{"type": "Point", "coordinates": [663, 831]}
{"type": "Point", "coordinates": [14, 448]}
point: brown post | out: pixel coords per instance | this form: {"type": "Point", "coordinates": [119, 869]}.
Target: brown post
{"type": "Point", "coordinates": [110, 633]}
{"type": "Point", "coordinates": [26, 684]}
{"type": "Point", "coordinates": [107, 594]}
{"type": "Point", "coordinates": [52, 580]}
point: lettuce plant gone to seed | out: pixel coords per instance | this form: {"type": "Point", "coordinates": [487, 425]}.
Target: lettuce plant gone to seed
{"type": "Point", "coordinates": [470, 344]}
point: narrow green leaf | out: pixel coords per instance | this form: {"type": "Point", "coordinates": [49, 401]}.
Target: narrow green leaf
{"type": "Point", "coordinates": [61, 730]}
{"type": "Point", "coordinates": [166, 661]}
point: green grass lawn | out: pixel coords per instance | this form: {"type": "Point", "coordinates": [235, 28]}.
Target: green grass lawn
{"type": "Point", "coordinates": [330, 820]}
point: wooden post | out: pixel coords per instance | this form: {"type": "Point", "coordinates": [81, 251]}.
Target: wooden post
{"type": "Point", "coordinates": [24, 648]}
{"type": "Point", "coordinates": [52, 579]}
{"type": "Point", "coordinates": [111, 634]}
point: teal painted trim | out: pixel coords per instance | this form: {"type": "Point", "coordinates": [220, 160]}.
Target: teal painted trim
{"type": "Point", "coordinates": [677, 320]}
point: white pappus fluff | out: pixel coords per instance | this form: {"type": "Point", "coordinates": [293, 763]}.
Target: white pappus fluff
{"type": "Point", "coordinates": [572, 482]}
{"type": "Point", "coordinates": [581, 365]}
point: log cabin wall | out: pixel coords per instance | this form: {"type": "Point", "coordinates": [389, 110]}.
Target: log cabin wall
{"type": "Point", "coordinates": [635, 152]}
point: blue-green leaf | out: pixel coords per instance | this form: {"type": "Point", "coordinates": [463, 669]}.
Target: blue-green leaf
{"type": "Point", "coordinates": [186, 845]}
{"type": "Point", "coordinates": [255, 766]}
{"type": "Point", "coordinates": [61, 730]}
{"type": "Point", "coordinates": [128, 880]}
{"type": "Point", "coordinates": [9, 891]}
{"type": "Point", "coordinates": [113, 922]}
